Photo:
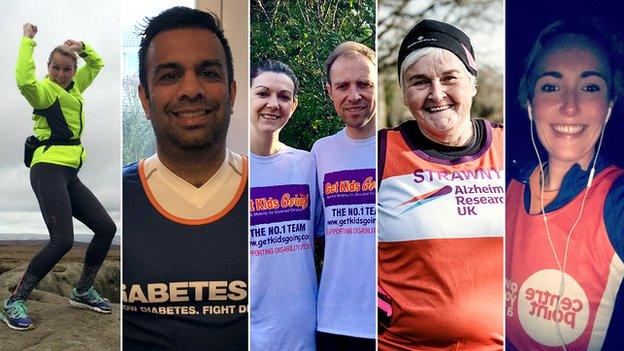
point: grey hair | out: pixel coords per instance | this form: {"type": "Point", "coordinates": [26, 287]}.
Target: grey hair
{"type": "Point", "coordinates": [416, 55]}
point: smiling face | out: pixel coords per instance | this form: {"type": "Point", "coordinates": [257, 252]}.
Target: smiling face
{"type": "Point", "coordinates": [189, 101]}
{"type": "Point", "coordinates": [272, 102]}
{"type": "Point", "coordinates": [438, 92]}
{"type": "Point", "coordinates": [352, 90]}
{"type": "Point", "coordinates": [61, 69]}
{"type": "Point", "coordinates": [570, 102]}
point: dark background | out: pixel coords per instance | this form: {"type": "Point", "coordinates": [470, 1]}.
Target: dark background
{"type": "Point", "coordinates": [524, 21]}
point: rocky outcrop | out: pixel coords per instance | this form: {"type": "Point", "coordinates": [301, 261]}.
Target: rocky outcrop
{"type": "Point", "coordinates": [57, 325]}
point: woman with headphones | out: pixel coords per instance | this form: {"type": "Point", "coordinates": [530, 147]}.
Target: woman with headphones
{"type": "Point", "coordinates": [565, 215]}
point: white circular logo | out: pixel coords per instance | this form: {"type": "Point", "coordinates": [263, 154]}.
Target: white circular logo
{"type": "Point", "coordinates": [537, 302]}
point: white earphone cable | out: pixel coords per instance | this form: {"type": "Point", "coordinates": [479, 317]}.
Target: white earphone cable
{"type": "Point", "coordinates": [562, 267]}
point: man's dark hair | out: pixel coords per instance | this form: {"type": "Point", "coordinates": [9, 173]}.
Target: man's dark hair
{"type": "Point", "coordinates": [275, 67]}
{"type": "Point", "coordinates": [180, 17]}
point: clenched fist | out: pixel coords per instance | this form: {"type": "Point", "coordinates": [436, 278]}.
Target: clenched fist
{"type": "Point", "coordinates": [30, 30]}
{"type": "Point", "coordinates": [74, 45]}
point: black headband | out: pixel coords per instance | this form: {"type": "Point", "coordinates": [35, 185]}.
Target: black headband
{"type": "Point", "coordinates": [428, 33]}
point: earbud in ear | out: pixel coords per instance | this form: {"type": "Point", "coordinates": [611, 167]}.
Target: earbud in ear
{"type": "Point", "coordinates": [609, 110]}
{"type": "Point", "coordinates": [529, 110]}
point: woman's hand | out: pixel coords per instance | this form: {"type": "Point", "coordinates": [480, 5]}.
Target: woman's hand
{"type": "Point", "coordinates": [30, 30]}
{"type": "Point", "coordinates": [74, 45]}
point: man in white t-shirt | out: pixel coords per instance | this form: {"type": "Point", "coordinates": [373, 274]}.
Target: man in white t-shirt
{"type": "Point", "coordinates": [185, 208]}
{"type": "Point", "coordinates": [346, 179]}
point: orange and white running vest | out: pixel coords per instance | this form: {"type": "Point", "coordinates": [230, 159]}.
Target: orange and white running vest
{"type": "Point", "coordinates": [441, 245]}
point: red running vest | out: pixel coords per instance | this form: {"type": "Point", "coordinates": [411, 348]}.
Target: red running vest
{"type": "Point", "coordinates": [593, 272]}
{"type": "Point", "coordinates": [441, 246]}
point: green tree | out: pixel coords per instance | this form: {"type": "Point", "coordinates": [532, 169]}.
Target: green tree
{"type": "Point", "coordinates": [302, 34]}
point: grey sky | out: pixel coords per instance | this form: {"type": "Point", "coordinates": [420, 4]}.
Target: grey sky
{"type": "Point", "coordinates": [94, 22]}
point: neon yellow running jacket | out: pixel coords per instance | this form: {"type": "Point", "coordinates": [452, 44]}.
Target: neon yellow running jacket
{"type": "Point", "coordinates": [58, 112]}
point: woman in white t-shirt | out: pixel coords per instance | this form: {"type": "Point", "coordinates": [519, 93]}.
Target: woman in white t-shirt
{"type": "Point", "coordinates": [283, 283]}
{"type": "Point", "coordinates": [274, 89]}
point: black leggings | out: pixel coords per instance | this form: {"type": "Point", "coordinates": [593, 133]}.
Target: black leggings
{"type": "Point", "coordinates": [62, 195]}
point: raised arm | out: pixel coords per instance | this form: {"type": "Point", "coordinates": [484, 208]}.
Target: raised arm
{"type": "Point", "coordinates": [94, 63]}
{"type": "Point", "coordinates": [35, 93]}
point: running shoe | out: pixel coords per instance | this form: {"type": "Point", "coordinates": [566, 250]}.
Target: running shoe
{"type": "Point", "coordinates": [15, 315]}
{"type": "Point", "coordinates": [90, 300]}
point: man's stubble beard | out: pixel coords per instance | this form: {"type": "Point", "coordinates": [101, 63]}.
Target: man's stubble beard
{"type": "Point", "coordinates": [215, 138]}
{"type": "Point", "coordinates": [365, 124]}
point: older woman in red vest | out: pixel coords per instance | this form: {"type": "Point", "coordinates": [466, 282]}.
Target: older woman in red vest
{"type": "Point", "coordinates": [441, 204]}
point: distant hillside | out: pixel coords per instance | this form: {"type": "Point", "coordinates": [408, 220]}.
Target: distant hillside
{"type": "Point", "coordinates": [80, 238]}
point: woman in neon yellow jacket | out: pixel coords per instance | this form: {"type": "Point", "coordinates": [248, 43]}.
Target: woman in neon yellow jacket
{"type": "Point", "coordinates": [58, 155]}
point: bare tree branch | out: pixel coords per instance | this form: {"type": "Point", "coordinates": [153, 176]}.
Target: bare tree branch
{"type": "Point", "coordinates": [400, 15]}
{"type": "Point", "coordinates": [263, 10]}
{"type": "Point", "coordinates": [277, 5]}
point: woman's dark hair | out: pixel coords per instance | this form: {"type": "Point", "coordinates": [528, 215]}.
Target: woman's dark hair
{"type": "Point", "coordinates": [599, 35]}
{"type": "Point", "coordinates": [275, 67]}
